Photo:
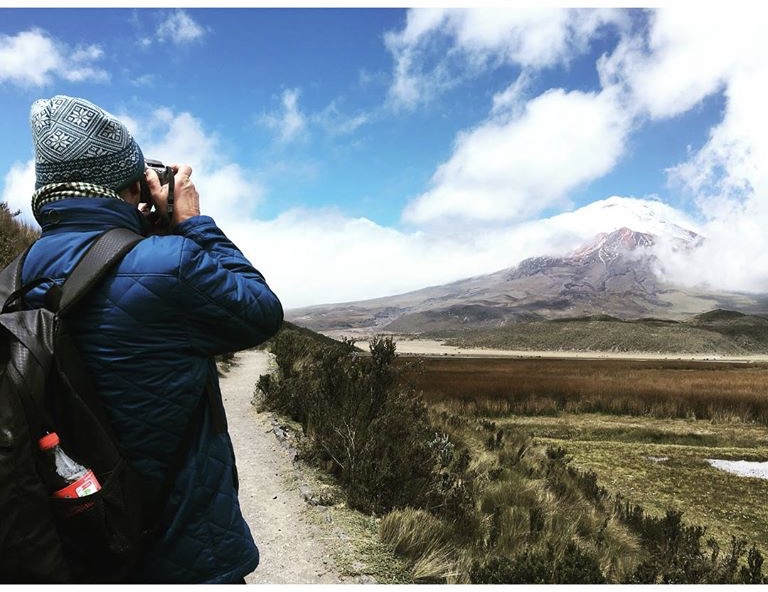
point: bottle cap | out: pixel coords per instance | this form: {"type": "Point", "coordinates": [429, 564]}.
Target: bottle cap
{"type": "Point", "coordinates": [49, 441]}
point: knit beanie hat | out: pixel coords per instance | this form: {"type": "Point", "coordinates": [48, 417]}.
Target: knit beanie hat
{"type": "Point", "coordinates": [77, 141]}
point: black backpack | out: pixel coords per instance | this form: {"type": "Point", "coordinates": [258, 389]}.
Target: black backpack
{"type": "Point", "coordinates": [44, 387]}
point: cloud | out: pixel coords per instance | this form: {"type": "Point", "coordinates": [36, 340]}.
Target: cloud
{"type": "Point", "coordinates": [313, 256]}
{"type": "Point", "coordinates": [337, 123]}
{"type": "Point", "coordinates": [728, 181]}
{"type": "Point", "coordinates": [289, 122]}
{"type": "Point", "coordinates": [33, 58]}
{"type": "Point", "coordinates": [529, 154]}
{"type": "Point", "coordinates": [179, 28]}
{"type": "Point", "coordinates": [440, 48]}
{"type": "Point", "coordinates": [525, 158]}
{"type": "Point", "coordinates": [19, 184]}
{"type": "Point", "coordinates": [691, 54]}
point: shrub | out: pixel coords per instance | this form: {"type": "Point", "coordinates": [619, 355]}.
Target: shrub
{"type": "Point", "coordinates": [539, 566]}
{"type": "Point", "coordinates": [675, 555]}
{"type": "Point", "coordinates": [14, 235]}
{"type": "Point", "coordinates": [359, 415]}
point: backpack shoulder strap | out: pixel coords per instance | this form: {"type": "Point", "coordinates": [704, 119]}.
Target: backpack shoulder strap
{"type": "Point", "coordinates": [105, 251]}
{"type": "Point", "coordinates": [101, 256]}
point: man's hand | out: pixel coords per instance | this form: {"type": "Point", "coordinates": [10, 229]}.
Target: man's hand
{"type": "Point", "coordinates": [186, 200]}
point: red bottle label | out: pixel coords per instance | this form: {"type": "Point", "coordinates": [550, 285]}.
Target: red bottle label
{"type": "Point", "coordinates": [85, 485]}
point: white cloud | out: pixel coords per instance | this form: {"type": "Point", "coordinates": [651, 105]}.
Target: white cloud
{"type": "Point", "coordinates": [439, 48]}
{"type": "Point", "coordinates": [337, 123]}
{"type": "Point", "coordinates": [313, 257]}
{"type": "Point", "coordinates": [33, 58]}
{"type": "Point", "coordinates": [527, 156]}
{"type": "Point", "coordinates": [179, 28]}
{"type": "Point", "coordinates": [523, 161]}
{"type": "Point", "coordinates": [19, 184]}
{"type": "Point", "coordinates": [289, 122]}
{"type": "Point", "coordinates": [729, 181]}
{"type": "Point", "coordinates": [691, 53]}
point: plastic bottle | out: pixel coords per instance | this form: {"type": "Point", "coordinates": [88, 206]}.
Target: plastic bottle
{"type": "Point", "coordinates": [66, 478]}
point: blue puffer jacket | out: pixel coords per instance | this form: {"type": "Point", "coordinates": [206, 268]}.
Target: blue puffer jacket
{"type": "Point", "coordinates": [148, 333]}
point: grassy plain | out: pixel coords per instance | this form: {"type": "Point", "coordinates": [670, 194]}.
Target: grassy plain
{"type": "Point", "coordinates": [645, 428]}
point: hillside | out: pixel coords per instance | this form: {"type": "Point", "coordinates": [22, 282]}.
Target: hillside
{"type": "Point", "coordinates": [716, 332]}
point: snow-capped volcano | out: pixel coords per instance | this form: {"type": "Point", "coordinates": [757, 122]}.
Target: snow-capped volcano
{"type": "Point", "coordinates": [614, 273]}
{"type": "Point", "coordinates": [641, 215]}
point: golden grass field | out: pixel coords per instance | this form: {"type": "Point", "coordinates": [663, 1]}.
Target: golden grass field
{"type": "Point", "coordinates": [646, 427]}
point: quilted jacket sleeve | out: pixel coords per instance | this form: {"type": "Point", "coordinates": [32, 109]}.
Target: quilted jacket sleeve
{"type": "Point", "coordinates": [227, 302]}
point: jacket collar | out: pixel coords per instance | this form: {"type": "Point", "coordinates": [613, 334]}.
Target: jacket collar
{"type": "Point", "coordinates": [90, 215]}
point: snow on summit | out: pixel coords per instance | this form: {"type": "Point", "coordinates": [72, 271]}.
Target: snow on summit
{"type": "Point", "coordinates": [641, 215]}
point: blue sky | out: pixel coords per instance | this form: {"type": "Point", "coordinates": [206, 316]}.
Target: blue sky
{"type": "Point", "coordinates": [362, 152]}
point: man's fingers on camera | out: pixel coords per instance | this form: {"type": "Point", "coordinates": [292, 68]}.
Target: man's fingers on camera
{"type": "Point", "coordinates": [152, 179]}
{"type": "Point", "coordinates": [183, 173]}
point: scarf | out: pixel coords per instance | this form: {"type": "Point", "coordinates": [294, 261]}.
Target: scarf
{"type": "Point", "coordinates": [57, 191]}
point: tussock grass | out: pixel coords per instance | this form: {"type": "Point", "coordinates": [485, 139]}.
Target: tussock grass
{"type": "Point", "coordinates": [509, 492]}
{"type": "Point", "coordinates": [619, 551]}
{"type": "Point", "coordinates": [423, 539]}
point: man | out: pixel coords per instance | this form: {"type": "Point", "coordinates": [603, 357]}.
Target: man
{"type": "Point", "coordinates": [148, 333]}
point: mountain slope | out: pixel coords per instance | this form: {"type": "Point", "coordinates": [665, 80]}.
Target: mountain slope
{"type": "Point", "coordinates": [613, 274]}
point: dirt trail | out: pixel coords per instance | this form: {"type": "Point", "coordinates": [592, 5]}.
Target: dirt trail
{"type": "Point", "coordinates": [292, 550]}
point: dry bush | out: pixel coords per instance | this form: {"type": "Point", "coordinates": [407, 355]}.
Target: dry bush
{"type": "Point", "coordinates": [352, 408]}
{"type": "Point", "coordinates": [15, 236]}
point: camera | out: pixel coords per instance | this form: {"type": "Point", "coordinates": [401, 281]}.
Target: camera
{"type": "Point", "coordinates": [163, 172]}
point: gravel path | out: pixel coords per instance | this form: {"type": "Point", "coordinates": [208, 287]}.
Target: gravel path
{"type": "Point", "coordinates": [291, 548]}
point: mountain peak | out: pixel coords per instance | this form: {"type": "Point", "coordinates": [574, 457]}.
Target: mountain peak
{"type": "Point", "coordinates": [641, 215]}
{"type": "Point", "coordinates": [609, 246]}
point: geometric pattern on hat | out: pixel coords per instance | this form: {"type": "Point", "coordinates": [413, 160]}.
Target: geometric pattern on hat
{"type": "Point", "coordinates": [76, 140]}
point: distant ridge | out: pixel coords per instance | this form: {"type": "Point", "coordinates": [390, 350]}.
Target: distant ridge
{"type": "Point", "coordinates": [719, 315]}
{"type": "Point", "coordinates": [718, 332]}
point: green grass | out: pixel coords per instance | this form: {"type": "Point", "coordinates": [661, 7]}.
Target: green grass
{"type": "Point", "coordinates": [621, 451]}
